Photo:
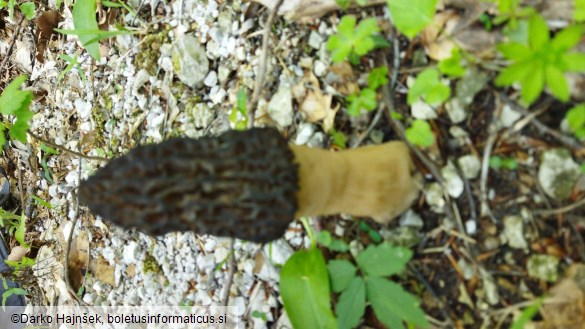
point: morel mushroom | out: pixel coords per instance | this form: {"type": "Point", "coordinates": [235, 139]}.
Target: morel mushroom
{"type": "Point", "coordinates": [247, 184]}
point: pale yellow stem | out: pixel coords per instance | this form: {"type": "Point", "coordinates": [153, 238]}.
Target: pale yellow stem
{"type": "Point", "coordinates": [371, 181]}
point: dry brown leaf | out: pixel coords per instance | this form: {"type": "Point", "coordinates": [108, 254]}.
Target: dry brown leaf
{"type": "Point", "coordinates": [345, 80]}
{"type": "Point", "coordinates": [16, 254]}
{"type": "Point", "coordinates": [46, 22]}
{"type": "Point", "coordinates": [435, 36]}
{"type": "Point", "coordinates": [316, 106]}
{"type": "Point", "coordinates": [102, 270]}
{"type": "Point", "coordinates": [565, 308]}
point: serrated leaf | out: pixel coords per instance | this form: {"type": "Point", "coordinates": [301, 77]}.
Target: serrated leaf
{"type": "Point", "coordinates": [347, 25]}
{"type": "Point", "coordinates": [539, 35]}
{"type": "Point", "coordinates": [392, 304]}
{"type": "Point", "coordinates": [366, 28]}
{"type": "Point", "coordinates": [383, 260]}
{"type": "Point", "coordinates": [556, 82]}
{"type": "Point", "coordinates": [304, 288]}
{"type": "Point", "coordinates": [420, 133]}
{"type": "Point", "coordinates": [342, 272]}
{"type": "Point", "coordinates": [351, 305]}
{"type": "Point", "coordinates": [411, 16]}
{"type": "Point", "coordinates": [84, 19]}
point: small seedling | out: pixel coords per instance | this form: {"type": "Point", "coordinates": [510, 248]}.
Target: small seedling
{"type": "Point", "coordinates": [497, 162]}
{"type": "Point", "coordinates": [543, 61]}
{"type": "Point", "coordinates": [391, 304]}
{"type": "Point", "coordinates": [510, 12]}
{"type": "Point", "coordinates": [352, 42]}
{"type": "Point", "coordinates": [428, 87]}
{"type": "Point", "coordinates": [420, 134]}
{"type": "Point", "coordinates": [239, 114]}
{"type": "Point", "coordinates": [367, 98]}
{"type": "Point", "coordinates": [28, 9]}
{"type": "Point", "coordinates": [71, 63]}
{"type": "Point", "coordinates": [338, 138]}
{"type": "Point", "coordinates": [325, 239]}
{"type": "Point", "coordinates": [527, 314]}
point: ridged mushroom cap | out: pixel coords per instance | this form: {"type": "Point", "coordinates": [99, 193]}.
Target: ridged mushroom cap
{"type": "Point", "coordinates": [241, 184]}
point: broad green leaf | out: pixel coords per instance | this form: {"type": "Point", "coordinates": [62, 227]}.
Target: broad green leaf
{"type": "Point", "coordinates": [84, 19]}
{"type": "Point", "coordinates": [513, 73]}
{"type": "Point", "coordinates": [351, 305]}
{"type": "Point", "coordinates": [12, 97]}
{"type": "Point", "coordinates": [579, 11]}
{"type": "Point", "coordinates": [437, 94]}
{"type": "Point", "coordinates": [539, 34]}
{"type": "Point", "coordinates": [420, 133]}
{"type": "Point", "coordinates": [573, 62]}
{"type": "Point", "coordinates": [383, 260]}
{"type": "Point", "coordinates": [514, 51]}
{"type": "Point", "coordinates": [342, 272]}
{"type": "Point", "coordinates": [567, 38]}
{"type": "Point", "coordinates": [424, 81]}
{"type": "Point", "coordinates": [28, 9]}
{"type": "Point", "coordinates": [411, 16]}
{"type": "Point", "coordinates": [533, 84]}
{"type": "Point", "coordinates": [392, 304]}
{"type": "Point", "coordinates": [346, 25]}
{"type": "Point", "coordinates": [368, 99]}
{"type": "Point", "coordinates": [556, 82]}
{"type": "Point", "coordinates": [576, 120]}
{"type": "Point", "coordinates": [304, 287]}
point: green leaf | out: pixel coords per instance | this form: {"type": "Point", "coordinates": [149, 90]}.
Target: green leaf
{"type": "Point", "coordinates": [429, 86]}
{"type": "Point", "coordinates": [411, 16]}
{"type": "Point", "coordinates": [527, 314]}
{"type": "Point", "coordinates": [10, 292]}
{"type": "Point", "coordinates": [514, 51]}
{"type": "Point", "coordinates": [378, 77]}
{"type": "Point", "coordinates": [573, 62]}
{"type": "Point", "coordinates": [452, 65]}
{"type": "Point", "coordinates": [567, 38]}
{"type": "Point", "coordinates": [324, 238]}
{"type": "Point", "coordinates": [533, 84]}
{"type": "Point", "coordinates": [304, 287]}
{"type": "Point", "coordinates": [576, 120]}
{"type": "Point", "coordinates": [84, 19]}
{"type": "Point", "coordinates": [342, 272]}
{"type": "Point", "coordinates": [420, 133]}
{"type": "Point", "coordinates": [579, 11]}
{"type": "Point", "coordinates": [28, 9]}
{"type": "Point", "coordinates": [344, 4]}
{"type": "Point", "coordinates": [539, 35]}
{"type": "Point", "coordinates": [383, 260]}
{"type": "Point", "coordinates": [556, 82]}
{"type": "Point", "coordinates": [363, 42]}
{"type": "Point", "coordinates": [351, 305]}
{"type": "Point", "coordinates": [513, 73]}
{"type": "Point", "coordinates": [12, 98]}
{"type": "Point", "coordinates": [339, 245]}
{"type": "Point", "coordinates": [368, 99]}
{"type": "Point", "coordinates": [20, 231]}
{"type": "Point", "coordinates": [392, 304]}
{"type": "Point", "coordinates": [338, 138]}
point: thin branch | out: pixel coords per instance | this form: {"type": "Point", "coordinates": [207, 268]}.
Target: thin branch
{"type": "Point", "coordinates": [542, 128]}
{"type": "Point", "coordinates": [230, 275]}
{"type": "Point", "coordinates": [568, 208]}
{"type": "Point", "coordinates": [262, 68]}
{"type": "Point", "coordinates": [66, 150]}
